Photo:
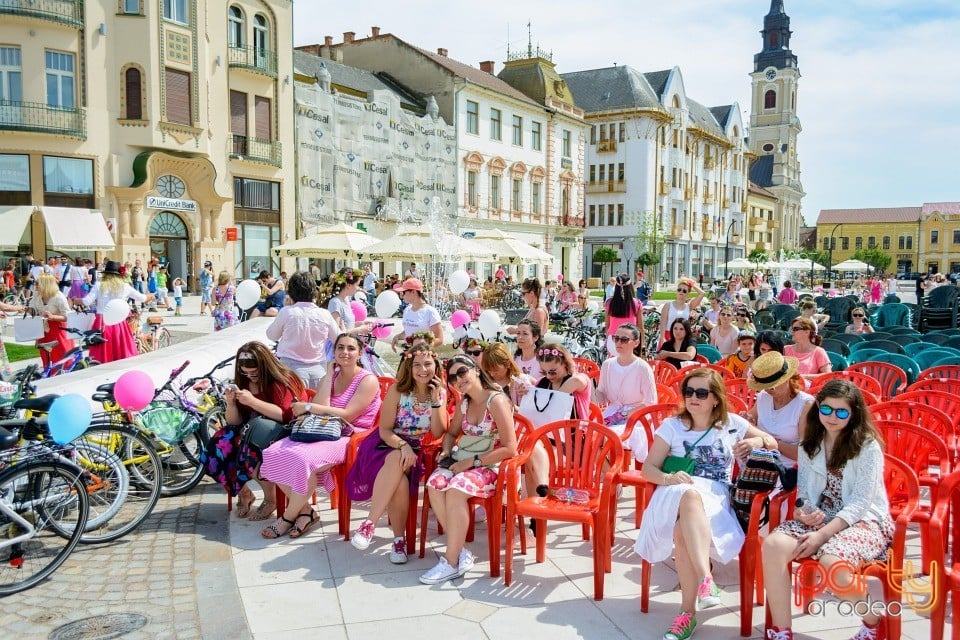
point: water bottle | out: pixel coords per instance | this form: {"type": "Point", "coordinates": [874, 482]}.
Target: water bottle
{"type": "Point", "coordinates": [805, 508]}
{"type": "Point", "coordinates": [569, 494]}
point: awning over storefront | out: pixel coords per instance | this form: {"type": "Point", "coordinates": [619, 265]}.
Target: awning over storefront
{"type": "Point", "coordinates": [77, 229]}
{"type": "Point", "coordinates": [13, 222]}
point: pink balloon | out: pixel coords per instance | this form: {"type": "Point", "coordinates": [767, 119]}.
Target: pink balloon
{"type": "Point", "coordinates": [359, 310]}
{"type": "Point", "coordinates": [381, 332]}
{"type": "Point", "coordinates": [133, 390]}
{"type": "Point", "coordinates": [459, 318]}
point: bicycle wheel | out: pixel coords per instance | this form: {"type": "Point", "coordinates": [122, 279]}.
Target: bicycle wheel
{"type": "Point", "coordinates": [31, 494]}
{"type": "Point", "coordinates": [140, 467]}
{"type": "Point", "coordinates": [162, 339]}
{"type": "Point", "coordinates": [213, 420]}
{"type": "Point", "coordinates": [182, 469]}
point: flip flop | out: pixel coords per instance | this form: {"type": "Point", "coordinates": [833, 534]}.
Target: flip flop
{"type": "Point", "coordinates": [298, 531]}
{"type": "Point", "coordinates": [243, 508]}
{"type": "Point", "coordinates": [264, 510]}
{"type": "Point", "coordinates": [273, 532]}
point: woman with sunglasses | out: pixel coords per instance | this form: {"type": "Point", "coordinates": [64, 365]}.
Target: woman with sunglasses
{"type": "Point", "coordinates": [689, 515]}
{"type": "Point", "coordinates": [743, 318]}
{"type": "Point", "coordinates": [568, 297]}
{"type": "Point", "coordinates": [681, 348]}
{"type": "Point", "coordinates": [859, 322]}
{"type": "Point", "coordinates": [680, 309]}
{"type": "Point", "coordinates": [474, 349]}
{"type": "Point", "coordinates": [263, 396]}
{"type": "Point", "coordinates": [582, 289]}
{"type": "Point", "coordinates": [528, 341]}
{"type": "Point", "coordinates": [806, 348]}
{"type": "Point", "coordinates": [842, 515]}
{"type": "Point", "coordinates": [724, 335]}
{"type": "Point", "coordinates": [537, 313]}
{"type": "Point", "coordinates": [560, 374]}
{"type": "Point", "coordinates": [626, 383]}
{"type": "Point", "coordinates": [388, 466]}
{"type": "Point", "coordinates": [484, 425]}
{"type": "Point", "coordinates": [781, 405]}
{"type": "Point", "coordinates": [347, 391]}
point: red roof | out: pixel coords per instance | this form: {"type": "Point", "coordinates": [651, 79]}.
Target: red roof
{"type": "Point", "coordinates": [942, 207]}
{"type": "Point", "coordinates": [891, 214]}
{"type": "Point", "coordinates": [475, 75]}
{"type": "Point", "coordinates": [753, 187]}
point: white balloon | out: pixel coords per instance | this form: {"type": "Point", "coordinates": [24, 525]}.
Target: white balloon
{"type": "Point", "coordinates": [248, 294]}
{"type": "Point", "coordinates": [387, 304]}
{"type": "Point", "coordinates": [459, 281]}
{"type": "Point", "coordinates": [593, 306]}
{"type": "Point", "coordinates": [460, 333]}
{"type": "Point", "coordinates": [474, 333]}
{"type": "Point", "coordinates": [360, 296]}
{"type": "Point", "coordinates": [115, 312]}
{"type": "Point", "coordinates": [489, 323]}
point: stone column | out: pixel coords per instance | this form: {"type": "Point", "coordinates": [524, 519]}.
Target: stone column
{"type": "Point", "coordinates": [212, 218]}
{"type": "Point", "coordinates": [138, 223]}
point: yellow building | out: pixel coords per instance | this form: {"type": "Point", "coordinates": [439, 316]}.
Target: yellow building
{"type": "Point", "coordinates": [940, 237]}
{"type": "Point", "coordinates": [841, 232]}
{"type": "Point", "coordinates": [168, 117]}
{"type": "Point", "coordinates": [763, 226]}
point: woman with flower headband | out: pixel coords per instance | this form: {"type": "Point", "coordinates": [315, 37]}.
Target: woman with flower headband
{"type": "Point", "coordinates": [531, 291]}
{"type": "Point", "coordinates": [474, 349]}
{"type": "Point", "coordinates": [484, 419]}
{"type": "Point", "coordinates": [528, 341]}
{"type": "Point", "coordinates": [560, 374]}
{"type": "Point", "coordinates": [346, 283]}
{"type": "Point", "coordinates": [388, 466]}
{"type": "Point", "coordinates": [418, 315]}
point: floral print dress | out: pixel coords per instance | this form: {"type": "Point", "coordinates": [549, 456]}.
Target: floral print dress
{"type": "Point", "coordinates": [224, 313]}
{"type": "Point", "coordinates": [479, 482]}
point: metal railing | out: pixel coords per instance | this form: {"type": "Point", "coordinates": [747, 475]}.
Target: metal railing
{"type": "Point", "coordinates": [68, 12]}
{"type": "Point", "coordinates": [42, 118]}
{"type": "Point", "coordinates": [255, 149]}
{"type": "Point", "coordinates": [254, 58]}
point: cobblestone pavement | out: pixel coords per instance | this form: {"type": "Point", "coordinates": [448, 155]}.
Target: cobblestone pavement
{"type": "Point", "coordinates": [174, 569]}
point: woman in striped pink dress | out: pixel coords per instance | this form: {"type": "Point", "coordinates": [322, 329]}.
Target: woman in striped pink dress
{"type": "Point", "coordinates": [348, 391]}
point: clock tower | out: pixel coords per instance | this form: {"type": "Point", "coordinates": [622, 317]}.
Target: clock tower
{"type": "Point", "coordinates": [774, 125]}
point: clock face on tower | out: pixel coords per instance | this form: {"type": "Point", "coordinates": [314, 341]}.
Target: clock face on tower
{"type": "Point", "coordinates": [170, 186]}
{"type": "Point", "coordinates": [771, 74]}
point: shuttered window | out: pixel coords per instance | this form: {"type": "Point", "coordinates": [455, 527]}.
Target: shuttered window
{"type": "Point", "coordinates": [134, 99]}
{"type": "Point", "coordinates": [178, 97]}
{"type": "Point", "coordinates": [238, 113]}
{"type": "Point", "coordinates": [262, 112]}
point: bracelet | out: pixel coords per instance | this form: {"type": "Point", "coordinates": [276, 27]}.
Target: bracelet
{"type": "Point", "coordinates": [436, 406]}
{"type": "Point", "coordinates": [402, 445]}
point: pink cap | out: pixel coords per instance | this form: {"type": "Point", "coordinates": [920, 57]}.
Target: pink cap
{"type": "Point", "coordinates": [410, 284]}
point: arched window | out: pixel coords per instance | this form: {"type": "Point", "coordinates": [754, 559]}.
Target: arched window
{"type": "Point", "coordinates": [261, 39]}
{"type": "Point", "coordinates": [131, 80]}
{"type": "Point", "coordinates": [235, 27]}
{"type": "Point", "coordinates": [770, 99]}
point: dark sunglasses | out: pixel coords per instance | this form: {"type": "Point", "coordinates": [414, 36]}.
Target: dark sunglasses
{"type": "Point", "coordinates": [247, 363]}
{"type": "Point", "coordinates": [551, 372]}
{"type": "Point", "coordinates": [858, 315]}
{"type": "Point", "coordinates": [689, 392]}
{"type": "Point", "coordinates": [683, 290]}
{"type": "Point", "coordinates": [453, 375]}
{"type": "Point", "coordinates": [621, 339]}
{"type": "Point", "coordinates": [742, 315]}
{"type": "Point", "coordinates": [826, 410]}
{"type": "Point", "coordinates": [729, 315]}
{"type": "Point", "coordinates": [798, 328]}
{"type": "Point", "coordinates": [474, 352]}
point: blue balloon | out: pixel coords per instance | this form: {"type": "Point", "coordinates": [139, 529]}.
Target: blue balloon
{"type": "Point", "coordinates": [69, 417]}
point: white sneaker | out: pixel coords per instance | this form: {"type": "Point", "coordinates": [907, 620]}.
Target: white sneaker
{"type": "Point", "coordinates": [440, 573]}
{"type": "Point", "coordinates": [464, 561]}
{"type": "Point", "coordinates": [398, 552]}
{"type": "Point", "coordinates": [363, 536]}
{"type": "Point", "coordinates": [480, 515]}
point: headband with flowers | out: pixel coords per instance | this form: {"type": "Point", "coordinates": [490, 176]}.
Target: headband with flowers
{"type": "Point", "coordinates": [341, 276]}
{"type": "Point", "coordinates": [549, 352]}
{"type": "Point", "coordinates": [473, 342]}
{"type": "Point", "coordinates": [420, 335]}
{"type": "Point", "coordinates": [409, 355]}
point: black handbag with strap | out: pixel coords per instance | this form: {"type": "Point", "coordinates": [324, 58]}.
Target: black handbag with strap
{"type": "Point", "coordinates": [262, 432]}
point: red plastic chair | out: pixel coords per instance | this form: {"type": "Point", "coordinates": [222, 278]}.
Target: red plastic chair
{"type": "Point", "coordinates": [667, 394]}
{"type": "Point", "coordinates": [893, 380]}
{"type": "Point", "coordinates": [577, 456]}
{"type": "Point", "coordinates": [588, 367]}
{"type": "Point", "coordinates": [951, 371]}
{"type": "Point", "coordinates": [863, 381]}
{"type": "Point", "coordinates": [663, 371]}
{"type": "Point", "coordinates": [921, 415]}
{"type": "Point", "coordinates": [738, 388]}
{"type": "Point", "coordinates": [648, 419]}
{"type": "Point", "coordinates": [736, 405]}
{"type": "Point", "coordinates": [947, 403]}
{"type": "Point", "coordinates": [903, 490]}
{"type": "Point", "coordinates": [948, 385]}
{"type": "Point", "coordinates": [385, 383]}
{"type": "Point", "coordinates": [944, 540]}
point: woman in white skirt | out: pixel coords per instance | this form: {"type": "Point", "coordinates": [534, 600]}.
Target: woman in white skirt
{"type": "Point", "coordinates": [692, 511]}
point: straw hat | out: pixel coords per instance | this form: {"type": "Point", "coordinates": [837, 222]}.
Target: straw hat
{"type": "Point", "coordinates": [770, 369]}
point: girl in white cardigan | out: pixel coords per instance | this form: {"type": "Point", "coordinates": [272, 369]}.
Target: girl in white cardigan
{"type": "Point", "coordinates": [844, 515]}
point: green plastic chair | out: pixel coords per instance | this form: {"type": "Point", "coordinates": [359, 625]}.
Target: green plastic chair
{"type": "Point", "coordinates": [935, 338]}
{"type": "Point", "coordinates": [876, 335]}
{"type": "Point", "coordinates": [951, 359]}
{"type": "Point", "coordinates": [926, 359]}
{"type": "Point", "coordinates": [902, 331]}
{"type": "Point", "coordinates": [892, 314]}
{"type": "Point", "coordinates": [836, 346]}
{"type": "Point", "coordinates": [848, 338]}
{"type": "Point", "coordinates": [913, 349]}
{"type": "Point", "coordinates": [838, 362]}
{"type": "Point", "coordinates": [710, 352]}
{"type": "Point", "coordinates": [903, 340]}
{"type": "Point", "coordinates": [864, 355]}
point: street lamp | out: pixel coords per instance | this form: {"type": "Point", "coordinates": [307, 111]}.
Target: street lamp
{"type": "Point", "coordinates": [830, 257]}
{"type": "Point", "coordinates": [726, 247]}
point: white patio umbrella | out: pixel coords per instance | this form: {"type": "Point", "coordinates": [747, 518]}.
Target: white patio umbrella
{"type": "Point", "coordinates": [430, 247]}
{"type": "Point", "coordinates": [799, 264]}
{"type": "Point", "coordinates": [852, 265]}
{"type": "Point", "coordinates": [738, 265]}
{"type": "Point", "coordinates": [337, 241]}
{"type": "Point", "coordinates": [507, 247]}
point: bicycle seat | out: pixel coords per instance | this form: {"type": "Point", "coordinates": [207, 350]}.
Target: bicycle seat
{"type": "Point", "coordinates": [102, 397]}
{"type": "Point", "coordinates": [154, 319]}
{"type": "Point", "coordinates": [41, 404]}
{"type": "Point", "coordinates": [106, 386]}
{"type": "Point", "coordinates": [8, 440]}
{"type": "Point", "coordinates": [95, 340]}
{"type": "Point", "coordinates": [47, 346]}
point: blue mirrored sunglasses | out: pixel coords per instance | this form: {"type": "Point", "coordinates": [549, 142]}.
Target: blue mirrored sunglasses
{"type": "Point", "coordinates": [826, 410]}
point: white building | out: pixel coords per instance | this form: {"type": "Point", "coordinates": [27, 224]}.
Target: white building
{"type": "Point", "coordinates": [519, 150]}
{"type": "Point", "coordinates": [662, 171]}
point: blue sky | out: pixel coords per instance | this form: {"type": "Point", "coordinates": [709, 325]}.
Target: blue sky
{"type": "Point", "coordinates": [879, 96]}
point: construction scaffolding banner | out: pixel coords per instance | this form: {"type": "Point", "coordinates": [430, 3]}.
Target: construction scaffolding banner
{"type": "Point", "coordinates": [362, 159]}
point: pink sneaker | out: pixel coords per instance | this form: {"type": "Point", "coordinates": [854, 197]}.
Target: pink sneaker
{"type": "Point", "coordinates": [773, 633]}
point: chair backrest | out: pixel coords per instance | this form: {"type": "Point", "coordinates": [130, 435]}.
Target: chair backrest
{"type": "Point", "coordinates": [876, 335]}
{"type": "Point", "coordinates": [862, 380]}
{"type": "Point", "coordinates": [663, 371]}
{"type": "Point", "coordinates": [522, 426]}
{"type": "Point", "coordinates": [892, 378]}
{"type": "Point", "coordinates": [898, 330]}
{"type": "Point", "coordinates": [736, 404]}
{"type": "Point", "coordinates": [837, 361]}
{"type": "Point", "coordinates": [829, 344]}
{"type": "Point", "coordinates": [941, 297]}
{"type": "Point", "coordinates": [683, 371]}
{"type": "Point", "coordinates": [936, 338]}
{"type": "Point", "coordinates": [916, 413]}
{"type": "Point", "coordinates": [949, 385]}
{"type": "Point", "coordinates": [902, 361]}
{"type": "Point", "coordinates": [385, 383]}
{"type": "Point", "coordinates": [927, 357]}
{"type": "Point", "coordinates": [847, 338]}
{"type": "Point", "coordinates": [948, 404]}
{"type": "Point", "coordinates": [667, 394]}
{"type": "Point", "coordinates": [710, 352]}
{"type": "Point", "coordinates": [702, 359]}
{"type": "Point", "coordinates": [903, 493]}
{"type": "Point", "coordinates": [913, 349]}
{"type": "Point", "coordinates": [864, 355]}
{"type": "Point", "coordinates": [763, 319]}
{"type": "Point", "coordinates": [941, 371]}
{"type": "Point", "coordinates": [892, 314]}
{"type": "Point", "coordinates": [885, 345]}
{"type": "Point", "coordinates": [738, 387]}
{"type": "Point", "coordinates": [950, 359]}
{"type": "Point", "coordinates": [953, 342]}
{"type": "Point", "coordinates": [904, 339]}
{"type": "Point", "coordinates": [588, 367]}
{"type": "Point", "coordinates": [596, 413]}
{"type": "Point", "coordinates": [577, 452]}
{"type": "Point", "coordinates": [917, 446]}
{"type": "Point", "coordinates": [648, 419]}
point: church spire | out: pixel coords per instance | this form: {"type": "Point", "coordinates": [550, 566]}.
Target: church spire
{"type": "Point", "coordinates": [776, 40]}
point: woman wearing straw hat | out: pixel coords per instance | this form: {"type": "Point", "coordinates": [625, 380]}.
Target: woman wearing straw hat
{"type": "Point", "coordinates": [781, 407]}
{"type": "Point", "coordinates": [119, 338]}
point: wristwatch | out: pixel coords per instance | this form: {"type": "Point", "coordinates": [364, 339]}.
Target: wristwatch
{"type": "Point", "coordinates": [476, 461]}
{"type": "Point", "coordinates": [306, 409]}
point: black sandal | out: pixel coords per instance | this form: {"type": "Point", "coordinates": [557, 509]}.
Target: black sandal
{"type": "Point", "coordinates": [275, 529]}
{"type": "Point", "coordinates": [296, 531]}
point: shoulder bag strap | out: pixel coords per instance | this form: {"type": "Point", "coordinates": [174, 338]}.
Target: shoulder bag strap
{"type": "Point", "coordinates": [694, 445]}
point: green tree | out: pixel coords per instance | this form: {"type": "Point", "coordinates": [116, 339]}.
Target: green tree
{"type": "Point", "coordinates": [875, 258]}
{"type": "Point", "coordinates": [648, 240]}
{"type": "Point", "coordinates": [757, 256]}
{"type": "Point", "coordinates": [605, 255]}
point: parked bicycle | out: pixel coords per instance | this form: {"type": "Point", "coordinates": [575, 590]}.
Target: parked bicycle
{"type": "Point", "coordinates": [75, 359]}
{"type": "Point", "coordinates": [156, 337]}
{"type": "Point", "coordinates": [370, 359]}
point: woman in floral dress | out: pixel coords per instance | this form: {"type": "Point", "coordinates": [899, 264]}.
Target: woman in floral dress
{"type": "Point", "coordinates": [224, 311]}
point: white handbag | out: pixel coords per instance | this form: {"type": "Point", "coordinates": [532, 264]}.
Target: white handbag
{"type": "Point", "coordinates": [541, 406]}
{"type": "Point", "coordinates": [80, 321]}
{"type": "Point", "coordinates": [27, 329]}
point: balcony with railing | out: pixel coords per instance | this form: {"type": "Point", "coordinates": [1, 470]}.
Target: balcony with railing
{"type": "Point", "coordinates": [36, 117]}
{"type": "Point", "coordinates": [68, 12]}
{"type": "Point", "coordinates": [676, 231]}
{"type": "Point", "coordinates": [606, 145]}
{"type": "Point", "coordinates": [606, 186]}
{"type": "Point", "coordinates": [664, 188]}
{"type": "Point", "coordinates": [255, 150]}
{"type": "Point", "coordinates": [254, 59]}
{"type": "Point", "coordinates": [574, 221]}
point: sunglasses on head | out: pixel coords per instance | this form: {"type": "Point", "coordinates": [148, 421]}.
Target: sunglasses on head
{"type": "Point", "coordinates": [689, 392]}
{"type": "Point", "coordinates": [622, 339]}
{"type": "Point", "coordinates": [247, 363]}
{"type": "Point", "coordinates": [474, 352]}
{"type": "Point", "coordinates": [826, 410]}
{"type": "Point", "coordinates": [459, 373]}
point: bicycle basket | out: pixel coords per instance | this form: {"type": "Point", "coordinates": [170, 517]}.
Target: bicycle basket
{"type": "Point", "coordinates": [170, 424]}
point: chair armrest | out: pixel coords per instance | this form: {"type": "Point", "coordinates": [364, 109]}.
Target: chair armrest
{"type": "Point", "coordinates": [790, 497]}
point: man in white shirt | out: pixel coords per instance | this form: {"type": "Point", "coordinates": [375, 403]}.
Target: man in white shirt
{"type": "Point", "coordinates": [370, 284]}
{"type": "Point", "coordinates": [412, 272]}
{"type": "Point", "coordinates": [891, 285]}
{"type": "Point", "coordinates": [609, 289]}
